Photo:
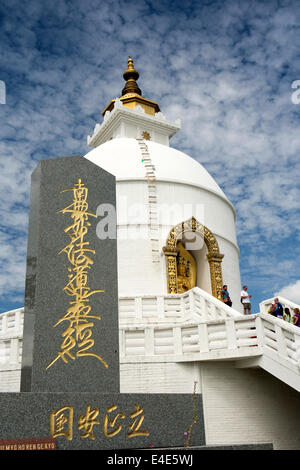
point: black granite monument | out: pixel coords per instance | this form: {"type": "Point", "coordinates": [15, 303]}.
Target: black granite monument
{"type": "Point", "coordinates": [71, 296]}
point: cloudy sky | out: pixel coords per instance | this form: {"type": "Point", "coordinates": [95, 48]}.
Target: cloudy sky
{"type": "Point", "coordinates": [225, 68]}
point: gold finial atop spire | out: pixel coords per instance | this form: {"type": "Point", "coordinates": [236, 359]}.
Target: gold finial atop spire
{"type": "Point", "coordinates": [132, 95]}
{"type": "Point", "coordinates": [131, 75]}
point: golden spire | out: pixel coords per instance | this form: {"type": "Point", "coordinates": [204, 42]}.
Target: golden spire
{"type": "Point", "coordinates": [131, 93]}
{"type": "Point", "coordinates": [131, 75]}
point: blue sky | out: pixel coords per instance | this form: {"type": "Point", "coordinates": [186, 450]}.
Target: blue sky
{"type": "Point", "coordinates": [224, 67]}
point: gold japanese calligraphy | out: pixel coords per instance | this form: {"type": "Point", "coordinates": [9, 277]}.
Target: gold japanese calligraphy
{"type": "Point", "coordinates": [62, 422]}
{"type": "Point", "coordinates": [112, 423]}
{"type": "Point", "coordinates": [135, 426]}
{"type": "Point", "coordinates": [88, 421]}
{"type": "Point", "coordinates": [78, 333]}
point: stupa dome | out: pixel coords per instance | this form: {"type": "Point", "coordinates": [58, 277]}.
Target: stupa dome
{"type": "Point", "coordinates": [122, 158]}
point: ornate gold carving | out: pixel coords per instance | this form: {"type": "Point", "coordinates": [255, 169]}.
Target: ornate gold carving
{"type": "Point", "coordinates": [215, 260]}
{"type": "Point", "coordinates": [214, 256]}
{"type": "Point", "coordinates": [146, 135]}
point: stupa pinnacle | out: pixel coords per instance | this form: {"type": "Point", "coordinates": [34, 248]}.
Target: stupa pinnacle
{"type": "Point", "coordinates": [131, 75]}
{"type": "Point", "coordinates": [131, 93]}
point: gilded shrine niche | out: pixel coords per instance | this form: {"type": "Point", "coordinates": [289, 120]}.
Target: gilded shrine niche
{"type": "Point", "coordinates": [186, 269]}
{"type": "Point", "coordinates": [180, 263]}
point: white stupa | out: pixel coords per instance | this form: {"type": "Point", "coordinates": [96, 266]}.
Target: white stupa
{"type": "Point", "coordinates": [176, 248]}
{"type": "Point", "coordinates": [159, 188]}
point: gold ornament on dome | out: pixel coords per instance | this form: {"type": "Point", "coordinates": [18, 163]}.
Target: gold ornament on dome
{"type": "Point", "coordinates": [146, 135]}
{"type": "Point", "coordinates": [182, 281]}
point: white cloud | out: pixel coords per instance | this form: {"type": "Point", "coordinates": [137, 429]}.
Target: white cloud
{"type": "Point", "coordinates": [291, 292]}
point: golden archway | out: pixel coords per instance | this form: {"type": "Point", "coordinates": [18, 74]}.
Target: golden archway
{"type": "Point", "coordinates": [214, 256]}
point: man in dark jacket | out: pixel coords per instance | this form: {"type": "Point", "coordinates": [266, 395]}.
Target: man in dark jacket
{"type": "Point", "coordinates": [278, 312]}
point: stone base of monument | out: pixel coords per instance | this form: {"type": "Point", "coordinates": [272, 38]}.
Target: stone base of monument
{"type": "Point", "coordinates": [104, 421]}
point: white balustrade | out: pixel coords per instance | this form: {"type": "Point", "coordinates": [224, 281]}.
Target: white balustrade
{"type": "Point", "coordinates": [172, 308]}
{"type": "Point", "coordinates": [266, 304]}
{"type": "Point", "coordinates": [11, 333]}
{"type": "Point", "coordinates": [225, 338]}
{"type": "Point", "coordinates": [193, 326]}
{"type": "Point", "coordinates": [259, 336]}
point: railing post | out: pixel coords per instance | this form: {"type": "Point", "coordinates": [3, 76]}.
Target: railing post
{"type": "Point", "coordinates": [203, 307]}
{"type": "Point", "coordinates": [177, 341]}
{"type": "Point", "coordinates": [192, 303]}
{"type": "Point", "coordinates": [203, 337]}
{"type": "Point", "coordinates": [149, 341]}
{"type": "Point", "coordinates": [182, 309]}
{"type": "Point", "coordinates": [4, 324]}
{"type": "Point", "coordinates": [160, 307]}
{"type": "Point", "coordinates": [17, 321]}
{"type": "Point", "coordinates": [297, 344]}
{"type": "Point", "coordinates": [138, 308]}
{"type": "Point", "coordinates": [259, 331]}
{"type": "Point", "coordinates": [213, 311]}
{"type": "Point", "coordinates": [122, 342]}
{"type": "Point", "coordinates": [231, 333]}
{"type": "Point", "coordinates": [14, 351]}
{"type": "Point", "coordinates": [281, 345]}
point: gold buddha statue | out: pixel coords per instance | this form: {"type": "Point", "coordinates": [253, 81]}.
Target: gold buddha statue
{"type": "Point", "coordinates": [186, 270]}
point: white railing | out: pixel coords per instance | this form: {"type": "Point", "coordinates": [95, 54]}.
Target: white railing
{"type": "Point", "coordinates": [280, 341]}
{"type": "Point", "coordinates": [172, 308]}
{"type": "Point", "coordinates": [274, 342]}
{"type": "Point", "coordinates": [186, 327]}
{"type": "Point", "coordinates": [11, 333]}
{"type": "Point", "coordinates": [220, 339]}
{"type": "Point", "coordinates": [266, 304]}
